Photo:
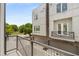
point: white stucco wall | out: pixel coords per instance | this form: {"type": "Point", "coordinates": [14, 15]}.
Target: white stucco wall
{"type": "Point", "coordinates": [41, 21]}
{"type": "Point", "coordinates": [67, 21]}
{"type": "Point", "coordinates": [1, 29]}
{"type": "Point", "coordinates": [73, 11]}
{"type": "Point", "coordinates": [75, 27]}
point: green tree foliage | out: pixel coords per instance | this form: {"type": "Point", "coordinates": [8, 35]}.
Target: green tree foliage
{"type": "Point", "coordinates": [15, 28]}
{"type": "Point", "coordinates": [21, 28]}
{"type": "Point", "coordinates": [26, 29]}
{"type": "Point", "coordinates": [11, 28]}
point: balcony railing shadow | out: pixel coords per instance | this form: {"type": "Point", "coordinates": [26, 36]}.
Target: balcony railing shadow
{"type": "Point", "coordinates": [28, 47]}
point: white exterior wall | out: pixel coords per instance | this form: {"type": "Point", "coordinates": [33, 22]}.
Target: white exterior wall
{"type": "Point", "coordinates": [1, 29]}
{"type": "Point", "coordinates": [41, 21]}
{"type": "Point", "coordinates": [75, 27]}
{"type": "Point", "coordinates": [73, 11]}
{"type": "Point", "coordinates": [67, 21]}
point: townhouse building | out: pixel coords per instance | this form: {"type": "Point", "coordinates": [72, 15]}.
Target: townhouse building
{"type": "Point", "coordinates": [40, 23]}
{"type": "Point", "coordinates": [57, 24]}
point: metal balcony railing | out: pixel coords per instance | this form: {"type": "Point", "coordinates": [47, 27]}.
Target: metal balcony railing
{"type": "Point", "coordinates": [65, 35]}
{"type": "Point", "coordinates": [28, 47]}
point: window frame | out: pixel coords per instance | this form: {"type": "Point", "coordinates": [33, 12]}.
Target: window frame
{"type": "Point", "coordinates": [64, 5]}
{"type": "Point", "coordinates": [65, 32]}
{"type": "Point", "coordinates": [61, 7]}
{"type": "Point", "coordinates": [36, 28]}
{"type": "Point", "coordinates": [58, 8]}
{"type": "Point", "coordinates": [35, 17]}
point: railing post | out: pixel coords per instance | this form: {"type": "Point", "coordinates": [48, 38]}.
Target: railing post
{"type": "Point", "coordinates": [5, 45]}
{"type": "Point", "coordinates": [31, 46]}
{"type": "Point", "coordinates": [16, 42]}
{"type": "Point", "coordinates": [73, 35]}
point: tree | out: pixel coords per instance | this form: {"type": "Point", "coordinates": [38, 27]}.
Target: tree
{"type": "Point", "coordinates": [15, 28]}
{"type": "Point", "coordinates": [28, 28]}
{"type": "Point", "coordinates": [21, 28]}
{"type": "Point", "coordinates": [9, 29]}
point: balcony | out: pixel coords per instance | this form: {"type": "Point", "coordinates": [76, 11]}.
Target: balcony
{"type": "Point", "coordinates": [26, 46]}
{"type": "Point", "coordinates": [67, 36]}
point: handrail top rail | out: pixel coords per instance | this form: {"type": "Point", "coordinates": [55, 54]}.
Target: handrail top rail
{"type": "Point", "coordinates": [44, 45]}
{"type": "Point", "coordinates": [56, 49]}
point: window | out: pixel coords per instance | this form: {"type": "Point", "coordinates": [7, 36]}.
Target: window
{"type": "Point", "coordinates": [59, 8]}
{"type": "Point", "coordinates": [59, 28]}
{"type": "Point", "coordinates": [64, 7]}
{"type": "Point", "coordinates": [65, 29]}
{"type": "Point", "coordinates": [36, 28]}
{"type": "Point", "coordinates": [36, 17]}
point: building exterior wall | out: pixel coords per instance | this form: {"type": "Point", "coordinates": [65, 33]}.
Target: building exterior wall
{"type": "Point", "coordinates": [72, 12]}
{"type": "Point", "coordinates": [67, 21]}
{"type": "Point", "coordinates": [41, 21]}
{"type": "Point", "coordinates": [70, 16]}
{"type": "Point", "coordinates": [75, 28]}
{"type": "Point", "coordinates": [2, 38]}
{"type": "Point", "coordinates": [42, 39]}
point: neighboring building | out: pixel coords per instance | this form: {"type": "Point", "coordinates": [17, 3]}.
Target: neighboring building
{"type": "Point", "coordinates": [63, 26]}
{"type": "Point", "coordinates": [57, 23]}
{"type": "Point", "coordinates": [40, 22]}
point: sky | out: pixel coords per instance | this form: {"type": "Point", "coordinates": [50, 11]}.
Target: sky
{"type": "Point", "coordinates": [19, 13]}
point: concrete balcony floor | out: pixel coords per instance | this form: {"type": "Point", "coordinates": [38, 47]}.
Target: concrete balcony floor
{"type": "Point", "coordinates": [24, 46]}
{"type": "Point", "coordinates": [13, 53]}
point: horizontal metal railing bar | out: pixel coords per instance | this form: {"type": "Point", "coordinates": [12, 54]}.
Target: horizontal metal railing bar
{"type": "Point", "coordinates": [53, 48]}
{"type": "Point", "coordinates": [63, 35]}
{"type": "Point", "coordinates": [11, 50]}
{"type": "Point", "coordinates": [49, 47]}
{"type": "Point", "coordinates": [62, 31]}
{"type": "Point", "coordinates": [11, 35]}
{"type": "Point", "coordinates": [16, 36]}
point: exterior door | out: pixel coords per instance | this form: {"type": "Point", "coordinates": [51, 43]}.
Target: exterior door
{"type": "Point", "coordinates": [59, 28]}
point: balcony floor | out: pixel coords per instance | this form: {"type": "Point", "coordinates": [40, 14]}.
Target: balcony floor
{"type": "Point", "coordinates": [13, 53]}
